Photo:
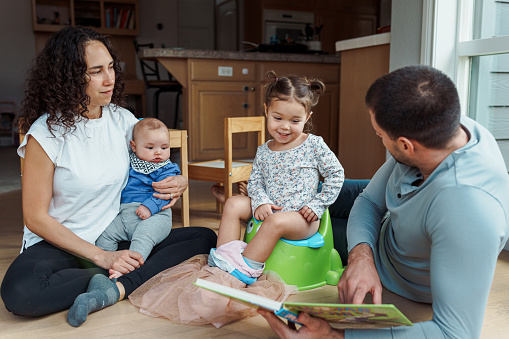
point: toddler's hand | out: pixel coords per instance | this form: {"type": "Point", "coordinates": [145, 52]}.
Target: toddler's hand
{"type": "Point", "coordinates": [143, 212]}
{"type": "Point", "coordinates": [264, 211]}
{"type": "Point", "coordinates": [308, 214]}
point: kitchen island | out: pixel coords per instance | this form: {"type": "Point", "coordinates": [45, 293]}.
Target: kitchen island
{"type": "Point", "coordinates": [218, 84]}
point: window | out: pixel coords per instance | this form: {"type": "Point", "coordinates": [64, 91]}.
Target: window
{"type": "Point", "coordinates": [483, 66]}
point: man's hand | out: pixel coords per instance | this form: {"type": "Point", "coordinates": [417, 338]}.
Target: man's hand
{"type": "Point", "coordinates": [262, 212]}
{"type": "Point", "coordinates": [170, 188]}
{"type": "Point", "coordinates": [143, 212]}
{"type": "Point", "coordinates": [312, 327]}
{"type": "Point", "coordinates": [308, 214]}
{"type": "Point", "coordinates": [360, 277]}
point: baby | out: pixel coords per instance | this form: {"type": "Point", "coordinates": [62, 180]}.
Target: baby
{"type": "Point", "coordinates": [142, 219]}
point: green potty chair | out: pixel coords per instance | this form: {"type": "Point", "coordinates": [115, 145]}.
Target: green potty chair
{"type": "Point", "coordinates": [307, 263]}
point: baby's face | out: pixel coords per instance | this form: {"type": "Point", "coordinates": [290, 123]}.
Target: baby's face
{"type": "Point", "coordinates": [152, 145]}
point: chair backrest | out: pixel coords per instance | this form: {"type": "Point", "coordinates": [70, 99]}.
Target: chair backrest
{"type": "Point", "coordinates": [149, 69]}
{"type": "Point", "coordinates": [234, 125]}
{"type": "Point", "coordinates": [178, 139]}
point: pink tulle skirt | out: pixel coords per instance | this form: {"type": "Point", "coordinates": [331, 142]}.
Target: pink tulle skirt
{"type": "Point", "coordinates": [171, 294]}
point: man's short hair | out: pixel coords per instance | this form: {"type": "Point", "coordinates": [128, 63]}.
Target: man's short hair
{"type": "Point", "coordinates": [417, 102]}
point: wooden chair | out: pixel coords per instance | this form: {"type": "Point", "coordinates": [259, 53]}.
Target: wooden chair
{"type": "Point", "coordinates": [226, 171]}
{"type": "Point", "coordinates": [178, 139]}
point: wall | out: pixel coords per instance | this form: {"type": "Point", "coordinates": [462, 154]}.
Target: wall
{"type": "Point", "coordinates": [18, 48]}
{"type": "Point", "coordinates": [159, 25]}
{"type": "Point", "coordinates": [406, 23]}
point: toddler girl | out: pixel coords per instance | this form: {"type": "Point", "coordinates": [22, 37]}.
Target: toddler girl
{"type": "Point", "coordinates": [283, 188]}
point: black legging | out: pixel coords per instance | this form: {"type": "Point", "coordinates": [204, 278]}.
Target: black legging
{"type": "Point", "coordinates": [339, 212]}
{"type": "Point", "coordinates": [45, 279]}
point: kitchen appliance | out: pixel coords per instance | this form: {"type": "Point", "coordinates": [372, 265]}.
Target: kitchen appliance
{"type": "Point", "coordinates": [285, 26]}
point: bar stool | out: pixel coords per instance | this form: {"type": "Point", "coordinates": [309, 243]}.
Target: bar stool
{"type": "Point", "coordinates": [152, 78]}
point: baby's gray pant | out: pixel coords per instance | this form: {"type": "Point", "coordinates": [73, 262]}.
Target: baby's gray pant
{"type": "Point", "coordinates": [143, 234]}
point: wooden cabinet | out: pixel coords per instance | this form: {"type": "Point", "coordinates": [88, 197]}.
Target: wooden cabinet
{"type": "Point", "coordinates": [340, 25]}
{"type": "Point", "coordinates": [214, 101]}
{"type": "Point", "coordinates": [214, 97]}
{"type": "Point", "coordinates": [220, 89]}
{"type": "Point", "coordinates": [361, 151]}
{"type": "Point", "coordinates": [346, 19]}
{"type": "Point", "coordinates": [217, 84]}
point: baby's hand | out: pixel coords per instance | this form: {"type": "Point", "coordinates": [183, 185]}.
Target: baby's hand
{"type": "Point", "coordinates": [143, 212]}
{"type": "Point", "coordinates": [264, 211]}
{"type": "Point", "coordinates": [308, 214]}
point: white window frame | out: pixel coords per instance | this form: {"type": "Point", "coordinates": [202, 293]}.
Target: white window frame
{"type": "Point", "coordinates": [446, 41]}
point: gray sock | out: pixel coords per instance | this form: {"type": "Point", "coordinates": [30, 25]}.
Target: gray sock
{"type": "Point", "coordinates": [255, 265]}
{"type": "Point", "coordinates": [101, 293]}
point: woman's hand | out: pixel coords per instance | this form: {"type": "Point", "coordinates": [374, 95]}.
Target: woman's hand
{"type": "Point", "coordinates": [170, 188]}
{"type": "Point", "coordinates": [121, 261]}
{"type": "Point", "coordinates": [312, 327]}
{"type": "Point", "coordinates": [262, 212]}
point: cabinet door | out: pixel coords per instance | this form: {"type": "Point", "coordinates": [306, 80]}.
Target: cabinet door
{"type": "Point", "coordinates": [212, 102]}
{"type": "Point", "coordinates": [338, 25]}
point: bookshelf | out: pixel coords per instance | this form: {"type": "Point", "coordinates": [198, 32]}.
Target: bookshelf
{"type": "Point", "coordinates": [114, 17]}
{"type": "Point", "coordinates": [117, 18]}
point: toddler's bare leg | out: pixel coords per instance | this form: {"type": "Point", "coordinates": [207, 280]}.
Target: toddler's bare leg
{"type": "Point", "coordinates": [237, 208]}
{"type": "Point", "coordinates": [289, 225]}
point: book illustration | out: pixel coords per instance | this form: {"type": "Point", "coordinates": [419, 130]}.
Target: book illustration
{"type": "Point", "coordinates": [341, 315]}
{"type": "Point", "coordinates": [353, 316]}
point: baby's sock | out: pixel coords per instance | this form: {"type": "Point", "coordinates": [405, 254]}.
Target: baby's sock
{"type": "Point", "coordinates": [101, 293]}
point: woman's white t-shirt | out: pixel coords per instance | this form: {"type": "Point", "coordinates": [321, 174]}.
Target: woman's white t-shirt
{"type": "Point", "coordinates": [91, 169]}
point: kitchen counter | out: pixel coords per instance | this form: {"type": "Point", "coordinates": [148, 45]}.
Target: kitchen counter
{"type": "Point", "coordinates": [365, 41]}
{"type": "Point", "coordinates": [219, 84]}
{"type": "Point", "coordinates": [154, 53]}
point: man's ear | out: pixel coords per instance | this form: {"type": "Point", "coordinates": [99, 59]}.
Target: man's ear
{"type": "Point", "coordinates": [133, 146]}
{"type": "Point", "coordinates": [406, 145]}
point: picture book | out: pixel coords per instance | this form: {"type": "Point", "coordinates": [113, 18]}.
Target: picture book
{"type": "Point", "coordinates": [340, 315]}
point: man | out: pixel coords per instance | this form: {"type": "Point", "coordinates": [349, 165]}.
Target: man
{"type": "Point", "coordinates": [446, 189]}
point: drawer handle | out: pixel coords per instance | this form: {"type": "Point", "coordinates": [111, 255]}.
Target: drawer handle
{"type": "Point", "coordinates": [244, 105]}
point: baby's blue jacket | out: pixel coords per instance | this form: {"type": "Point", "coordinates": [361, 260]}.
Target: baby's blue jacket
{"type": "Point", "coordinates": [139, 187]}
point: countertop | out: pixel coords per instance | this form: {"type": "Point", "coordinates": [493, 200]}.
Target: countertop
{"type": "Point", "coordinates": [152, 53]}
{"type": "Point", "coordinates": [366, 41]}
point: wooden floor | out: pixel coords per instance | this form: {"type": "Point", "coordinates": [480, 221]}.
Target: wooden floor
{"type": "Point", "coordinates": [124, 320]}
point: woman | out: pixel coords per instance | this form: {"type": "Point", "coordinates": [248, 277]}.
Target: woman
{"type": "Point", "coordinates": [76, 164]}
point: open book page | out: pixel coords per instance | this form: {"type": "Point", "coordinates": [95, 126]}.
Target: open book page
{"type": "Point", "coordinates": [339, 315]}
{"type": "Point", "coordinates": [250, 299]}
{"type": "Point", "coordinates": [353, 316]}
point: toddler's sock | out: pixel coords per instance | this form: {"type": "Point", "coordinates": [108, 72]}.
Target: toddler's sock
{"type": "Point", "coordinates": [254, 264]}
{"type": "Point", "coordinates": [102, 292]}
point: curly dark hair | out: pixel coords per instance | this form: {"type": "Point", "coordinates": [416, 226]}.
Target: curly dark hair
{"type": "Point", "coordinates": [304, 90]}
{"type": "Point", "coordinates": [57, 80]}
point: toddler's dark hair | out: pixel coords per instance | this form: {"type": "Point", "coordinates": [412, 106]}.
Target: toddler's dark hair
{"type": "Point", "coordinates": [306, 91]}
